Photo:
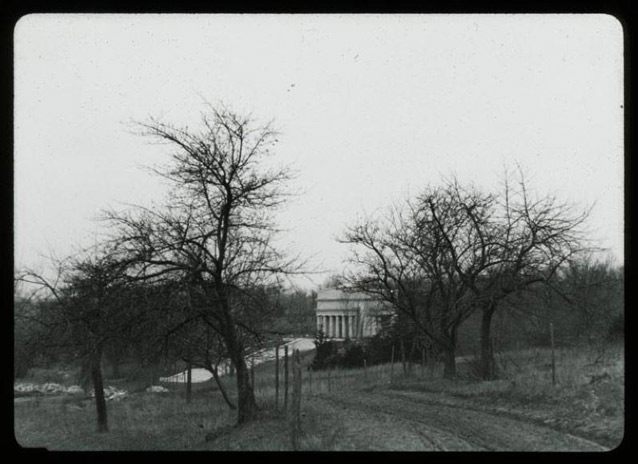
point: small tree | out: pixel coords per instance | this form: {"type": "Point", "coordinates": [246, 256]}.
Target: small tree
{"type": "Point", "coordinates": [87, 311]}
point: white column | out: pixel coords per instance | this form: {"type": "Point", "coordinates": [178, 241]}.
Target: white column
{"type": "Point", "coordinates": [351, 326]}
{"type": "Point", "coordinates": [327, 329]}
{"type": "Point", "coordinates": [346, 326]}
{"type": "Point", "coordinates": [334, 326]}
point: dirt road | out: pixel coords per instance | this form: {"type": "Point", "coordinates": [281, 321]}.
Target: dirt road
{"type": "Point", "coordinates": [388, 420]}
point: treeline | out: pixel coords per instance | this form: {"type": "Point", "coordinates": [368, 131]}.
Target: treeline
{"type": "Point", "coordinates": [37, 343]}
{"type": "Point", "coordinates": [584, 303]}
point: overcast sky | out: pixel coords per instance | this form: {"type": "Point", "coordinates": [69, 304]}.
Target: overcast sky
{"type": "Point", "coordinates": [371, 108]}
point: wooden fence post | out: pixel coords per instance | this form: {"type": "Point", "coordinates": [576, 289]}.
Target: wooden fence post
{"type": "Point", "coordinates": [551, 336]}
{"type": "Point", "coordinates": [365, 370]}
{"type": "Point", "coordinates": [392, 365]}
{"type": "Point", "coordinates": [189, 382]}
{"type": "Point", "coordinates": [286, 378]}
{"type": "Point", "coordinates": [295, 418]}
{"type": "Point", "coordinates": [252, 374]}
{"type": "Point", "coordinates": [277, 378]}
{"type": "Point", "coordinates": [422, 362]}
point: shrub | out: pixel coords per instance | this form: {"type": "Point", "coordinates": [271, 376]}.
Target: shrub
{"type": "Point", "coordinates": [326, 351]}
{"type": "Point", "coordinates": [351, 355]}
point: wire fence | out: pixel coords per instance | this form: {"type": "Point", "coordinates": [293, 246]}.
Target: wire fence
{"type": "Point", "coordinates": [273, 383]}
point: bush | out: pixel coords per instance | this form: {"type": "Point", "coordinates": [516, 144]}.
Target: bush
{"type": "Point", "coordinates": [326, 351]}
{"type": "Point", "coordinates": [351, 355]}
{"type": "Point", "coordinates": [331, 353]}
{"type": "Point", "coordinates": [378, 349]}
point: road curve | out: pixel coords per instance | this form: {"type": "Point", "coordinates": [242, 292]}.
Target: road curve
{"type": "Point", "coordinates": [387, 420]}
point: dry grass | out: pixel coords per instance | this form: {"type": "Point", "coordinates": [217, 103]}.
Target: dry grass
{"type": "Point", "coordinates": [588, 399]}
{"type": "Point", "coordinates": [141, 421]}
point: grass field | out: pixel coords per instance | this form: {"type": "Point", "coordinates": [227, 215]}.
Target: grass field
{"type": "Point", "coordinates": [588, 398]}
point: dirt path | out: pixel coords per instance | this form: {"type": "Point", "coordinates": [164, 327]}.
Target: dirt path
{"type": "Point", "coordinates": [391, 420]}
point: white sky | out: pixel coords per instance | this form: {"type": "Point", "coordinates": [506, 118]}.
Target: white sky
{"type": "Point", "coordinates": [371, 108]}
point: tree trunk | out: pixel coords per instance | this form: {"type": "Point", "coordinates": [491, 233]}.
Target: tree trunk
{"type": "Point", "coordinates": [487, 363]}
{"type": "Point", "coordinates": [246, 405]}
{"type": "Point", "coordinates": [449, 361]}
{"type": "Point", "coordinates": [222, 389]}
{"type": "Point", "coordinates": [98, 389]}
{"type": "Point", "coordinates": [448, 347]}
{"type": "Point", "coordinates": [411, 356]}
{"type": "Point", "coordinates": [403, 362]}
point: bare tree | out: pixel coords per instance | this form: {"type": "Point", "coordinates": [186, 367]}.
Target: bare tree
{"type": "Point", "coordinates": [87, 309]}
{"type": "Point", "coordinates": [454, 250]}
{"type": "Point", "coordinates": [424, 259]}
{"type": "Point", "coordinates": [535, 237]}
{"type": "Point", "coordinates": [216, 229]}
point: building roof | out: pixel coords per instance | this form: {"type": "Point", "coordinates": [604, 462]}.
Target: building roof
{"type": "Point", "coordinates": [335, 294]}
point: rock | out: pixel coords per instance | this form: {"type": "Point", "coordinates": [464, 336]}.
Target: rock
{"type": "Point", "coordinates": [74, 390]}
{"type": "Point", "coordinates": [52, 388]}
{"type": "Point", "coordinates": [111, 393]}
{"type": "Point", "coordinates": [25, 388]}
{"type": "Point", "coordinates": [157, 389]}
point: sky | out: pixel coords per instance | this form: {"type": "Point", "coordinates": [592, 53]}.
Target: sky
{"type": "Point", "coordinates": [370, 109]}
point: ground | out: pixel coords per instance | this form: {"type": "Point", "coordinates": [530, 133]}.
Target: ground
{"type": "Point", "coordinates": [386, 419]}
{"type": "Point", "coordinates": [379, 408]}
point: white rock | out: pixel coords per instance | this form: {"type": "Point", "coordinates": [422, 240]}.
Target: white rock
{"type": "Point", "coordinates": [157, 389]}
{"type": "Point", "coordinates": [74, 390]}
{"type": "Point", "coordinates": [25, 387]}
{"type": "Point", "coordinates": [52, 388]}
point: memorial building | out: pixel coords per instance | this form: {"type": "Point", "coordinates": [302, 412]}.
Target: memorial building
{"type": "Point", "coordinates": [350, 315]}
